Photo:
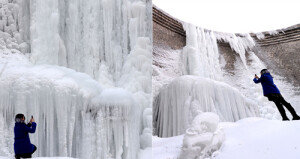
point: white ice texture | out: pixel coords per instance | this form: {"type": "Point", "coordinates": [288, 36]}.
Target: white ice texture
{"type": "Point", "coordinates": [203, 138]}
{"type": "Point", "coordinates": [83, 70]}
{"type": "Point", "coordinates": [187, 96]}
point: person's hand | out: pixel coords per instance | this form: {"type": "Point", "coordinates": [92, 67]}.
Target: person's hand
{"type": "Point", "coordinates": [32, 120]}
{"type": "Point", "coordinates": [256, 76]}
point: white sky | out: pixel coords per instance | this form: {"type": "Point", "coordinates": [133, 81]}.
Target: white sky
{"type": "Point", "coordinates": [238, 16]}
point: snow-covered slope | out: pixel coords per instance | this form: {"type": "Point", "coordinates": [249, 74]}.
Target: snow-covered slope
{"type": "Point", "coordinates": [248, 138]}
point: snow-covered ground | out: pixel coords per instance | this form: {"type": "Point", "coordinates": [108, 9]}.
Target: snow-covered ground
{"type": "Point", "coordinates": [249, 138]}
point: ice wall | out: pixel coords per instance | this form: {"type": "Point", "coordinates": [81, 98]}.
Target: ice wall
{"type": "Point", "coordinates": [83, 69]}
{"type": "Point", "coordinates": [86, 34]}
{"type": "Point", "coordinates": [75, 114]}
{"type": "Point", "coordinates": [187, 96]}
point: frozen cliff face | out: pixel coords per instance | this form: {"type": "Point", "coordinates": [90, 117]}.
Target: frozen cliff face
{"type": "Point", "coordinates": [83, 70]}
{"type": "Point", "coordinates": [203, 138]}
{"type": "Point", "coordinates": [185, 97]}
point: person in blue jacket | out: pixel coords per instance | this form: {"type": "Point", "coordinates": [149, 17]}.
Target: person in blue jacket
{"type": "Point", "coordinates": [273, 94]}
{"type": "Point", "coordinates": [22, 145]}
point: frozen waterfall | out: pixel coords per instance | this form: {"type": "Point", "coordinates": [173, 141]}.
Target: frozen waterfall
{"type": "Point", "coordinates": [83, 70]}
{"type": "Point", "coordinates": [213, 87]}
{"type": "Point", "coordinates": [187, 96]}
{"type": "Point", "coordinates": [70, 108]}
{"type": "Point", "coordinates": [210, 89]}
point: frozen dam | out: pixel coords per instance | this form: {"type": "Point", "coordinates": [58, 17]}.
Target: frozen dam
{"type": "Point", "coordinates": [197, 70]}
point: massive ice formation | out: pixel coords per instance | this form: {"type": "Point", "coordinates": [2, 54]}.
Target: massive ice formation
{"type": "Point", "coordinates": [70, 108]}
{"type": "Point", "coordinates": [203, 138]}
{"type": "Point", "coordinates": [185, 97]}
{"type": "Point", "coordinates": [83, 70]}
{"type": "Point", "coordinates": [209, 89]}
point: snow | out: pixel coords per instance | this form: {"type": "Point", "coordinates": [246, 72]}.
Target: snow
{"type": "Point", "coordinates": [167, 65]}
{"type": "Point", "coordinates": [273, 32]}
{"type": "Point", "coordinates": [187, 96]}
{"type": "Point", "coordinates": [202, 139]}
{"type": "Point", "coordinates": [248, 138]}
{"type": "Point", "coordinates": [167, 148]}
{"type": "Point", "coordinates": [84, 73]}
{"type": "Point", "coordinates": [262, 139]}
{"type": "Point", "coordinates": [260, 35]}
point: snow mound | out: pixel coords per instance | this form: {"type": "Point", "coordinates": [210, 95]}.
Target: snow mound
{"type": "Point", "coordinates": [187, 96]}
{"type": "Point", "coordinates": [202, 138]}
{"type": "Point", "coordinates": [247, 138]}
{"type": "Point", "coordinates": [261, 139]}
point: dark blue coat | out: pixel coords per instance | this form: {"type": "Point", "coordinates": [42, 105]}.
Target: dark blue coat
{"type": "Point", "coordinates": [267, 83]}
{"type": "Point", "coordinates": [22, 142]}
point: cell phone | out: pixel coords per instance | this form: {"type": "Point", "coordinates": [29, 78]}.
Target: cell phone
{"type": "Point", "coordinates": [31, 116]}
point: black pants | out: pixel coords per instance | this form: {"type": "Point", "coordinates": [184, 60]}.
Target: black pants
{"type": "Point", "coordinates": [25, 155]}
{"type": "Point", "coordinates": [280, 102]}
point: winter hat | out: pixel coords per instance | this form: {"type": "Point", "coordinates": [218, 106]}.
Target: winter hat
{"type": "Point", "coordinates": [19, 118]}
{"type": "Point", "coordinates": [263, 71]}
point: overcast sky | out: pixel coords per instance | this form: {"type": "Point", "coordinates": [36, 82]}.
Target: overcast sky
{"type": "Point", "coordinates": [238, 16]}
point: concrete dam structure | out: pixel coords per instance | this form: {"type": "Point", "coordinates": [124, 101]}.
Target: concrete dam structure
{"type": "Point", "coordinates": [283, 47]}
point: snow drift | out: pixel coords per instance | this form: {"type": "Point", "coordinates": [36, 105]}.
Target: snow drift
{"type": "Point", "coordinates": [247, 138]}
{"type": "Point", "coordinates": [187, 96]}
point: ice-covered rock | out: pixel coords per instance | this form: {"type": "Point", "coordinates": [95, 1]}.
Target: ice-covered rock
{"type": "Point", "coordinates": [203, 137]}
{"type": "Point", "coordinates": [185, 97]}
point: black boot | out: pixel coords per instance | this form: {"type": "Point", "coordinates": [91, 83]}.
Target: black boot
{"type": "Point", "coordinates": [296, 118]}
{"type": "Point", "coordinates": [286, 119]}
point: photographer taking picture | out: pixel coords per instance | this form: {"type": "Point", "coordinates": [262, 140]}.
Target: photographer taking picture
{"type": "Point", "coordinates": [273, 94]}
{"type": "Point", "coordinates": [22, 145]}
